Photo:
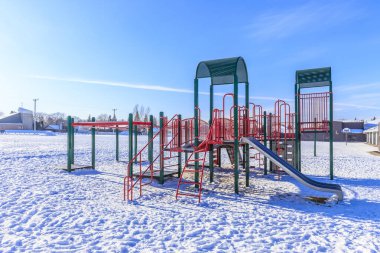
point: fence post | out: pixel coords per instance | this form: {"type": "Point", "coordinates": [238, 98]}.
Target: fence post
{"type": "Point", "coordinates": [93, 145]}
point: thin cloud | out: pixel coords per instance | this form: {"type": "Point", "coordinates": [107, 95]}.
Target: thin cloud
{"type": "Point", "coordinates": [357, 106]}
{"type": "Point", "coordinates": [308, 17]}
{"type": "Point", "coordinates": [354, 87]}
{"type": "Point", "coordinates": [114, 84]}
{"type": "Point", "coordinates": [141, 86]}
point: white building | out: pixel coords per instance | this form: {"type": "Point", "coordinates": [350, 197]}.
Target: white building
{"type": "Point", "coordinates": [373, 136]}
{"type": "Point", "coordinates": [21, 120]}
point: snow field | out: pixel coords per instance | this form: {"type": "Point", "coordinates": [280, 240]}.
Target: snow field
{"type": "Point", "coordinates": [43, 208]}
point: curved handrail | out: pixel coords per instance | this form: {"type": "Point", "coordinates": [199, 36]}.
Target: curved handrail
{"type": "Point", "coordinates": [130, 163]}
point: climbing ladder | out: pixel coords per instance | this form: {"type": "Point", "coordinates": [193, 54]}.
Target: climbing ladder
{"type": "Point", "coordinates": [133, 180]}
{"type": "Point", "coordinates": [212, 137]}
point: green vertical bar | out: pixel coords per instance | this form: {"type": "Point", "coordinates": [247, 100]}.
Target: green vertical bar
{"type": "Point", "coordinates": [315, 137]}
{"type": "Point", "coordinates": [162, 164]}
{"type": "Point", "coordinates": [265, 143]}
{"type": "Point", "coordinates": [69, 143]}
{"type": "Point", "coordinates": [299, 135]}
{"type": "Point", "coordinates": [179, 145]}
{"type": "Point", "coordinates": [196, 132]}
{"type": "Point", "coordinates": [211, 152]}
{"type": "Point", "coordinates": [150, 137]}
{"type": "Point", "coordinates": [331, 135]}
{"type": "Point", "coordinates": [270, 140]}
{"type": "Point", "coordinates": [117, 143]}
{"type": "Point", "coordinates": [130, 142]}
{"type": "Point", "coordinates": [72, 142]}
{"type": "Point", "coordinates": [246, 147]}
{"type": "Point", "coordinates": [236, 135]}
{"type": "Point", "coordinates": [135, 141]}
{"type": "Point", "coordinates": [296, 140]}
{"type": "Point", "coordinates": [93, 145]}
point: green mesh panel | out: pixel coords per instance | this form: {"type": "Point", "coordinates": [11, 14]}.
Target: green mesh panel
{"type": "Point", "coordinates": [222, 71]}
{"type": "Point", "coordinates": [313, 77]}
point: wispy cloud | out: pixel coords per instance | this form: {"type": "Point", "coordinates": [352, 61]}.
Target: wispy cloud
{"type": "Point", "coordinates": [115, 84]}
{"type": "Point", "coordinates": [308, 17]}
{"type": "Point", "coordinates": [355, 87]}
{"type": "Point", "coordinates": [356, 106]}
{"type": "Point", "coordinates": [140, 86]}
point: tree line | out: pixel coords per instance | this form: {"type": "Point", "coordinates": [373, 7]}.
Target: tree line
{"type": "Point", "coordinates": [140, 113]}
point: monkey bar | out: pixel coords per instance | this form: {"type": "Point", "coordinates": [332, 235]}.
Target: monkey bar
{"type": "Point", "coordinates": [117, 125]}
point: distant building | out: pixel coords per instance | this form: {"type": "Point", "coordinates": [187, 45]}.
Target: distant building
{"type": "Point", "coordinates": [356, 132]}
{"type": "Point", "coordinates": [54, 128]}
{"type": "Point", "coordinates": [373, 137]}
{"type": "Point", "coordinates": [21, 120]}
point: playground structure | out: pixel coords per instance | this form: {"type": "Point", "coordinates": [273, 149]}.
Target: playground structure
{"type": "Point", "coordinates": [244, 131]}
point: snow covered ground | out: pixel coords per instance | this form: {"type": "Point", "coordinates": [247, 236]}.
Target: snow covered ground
{"type": "Point", "coordinates": [43, 208]}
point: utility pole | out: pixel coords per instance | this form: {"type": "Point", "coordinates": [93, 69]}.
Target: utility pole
{"type": "Point", "coordinates": [34, 116]}
{"type": "Point", "coordinates": [114, 114]}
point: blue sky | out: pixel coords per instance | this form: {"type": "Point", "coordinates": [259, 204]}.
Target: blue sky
{"type": "Point", "coordinates": [88, 57]}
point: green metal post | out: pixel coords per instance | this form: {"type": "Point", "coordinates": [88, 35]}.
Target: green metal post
{"type": "Point", "coordinates": [265, 143]}
{"type": "Point", "coordinates": [196, 132]}
{"type": "Point", "coordinates": [150, 137]}
{"type": "Point", "coordinates": [135, 141]}
{"type": "Point", "coordinates": [236, 135]}
{"type": "Point", "coordinates": [162, 141]}
{"type": "Point", "coordinates": [331, 125]}
{"type": "Point", "coordinates": [186, 137]}
{"type": "Point", "coordinates": [246, 147]}
{"type": "Point", "coordinates": [315, 137]}
{"type": "Point", "coordinates": [211, 153]}
{"type": "Point", "coordinates": [179, 145]}
{"type": "Point", "coordinates": [69, 139]}
{"type": "Point", "coordinates": [117, 143]}
{"type": "Point", "coordinates": [93, 145]}
{"type": "Point", "coordinates": [296, 140]}
{"type": "Point", "coordinates": [299, 136]}
{"type": "Point", "coordinates": [270, 141]}
{"type": "Point", "coordinates": [72, 142]}
{"type": "Point", "coordinates": [130, 142]}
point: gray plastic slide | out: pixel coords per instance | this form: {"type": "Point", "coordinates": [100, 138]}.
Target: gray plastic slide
{"type": "Point", "coordinates": [293, 172]}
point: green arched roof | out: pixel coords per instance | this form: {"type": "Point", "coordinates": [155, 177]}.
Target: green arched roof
{"type": "Point", "coordinates": [222, 71]}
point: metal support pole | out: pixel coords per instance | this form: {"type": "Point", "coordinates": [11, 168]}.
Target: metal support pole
{"type": "Point", "coordinates": [150, 137]}
{"type": "Point", "coordinates": [246, 147]}
{"type": "Point", "coordinates": [117, 143]}
{"type": "Point", "coordinates": [211, 152]}
{"type": "Point", "coordinates": [196, 133]}
{"type": "Point", "coordinates": [265, 143]}
{"type": "Point", "coordinates": [297, 127]}
{"type": "Point", "coordinates": [72, 142]}
{"type": "Point", "coordinates": [179, 145]}
{"type": "Point", "coordinates": [130, 142]}
{"type": "Point", "coordinates": [315, 136]}
{"type": "Point", "coordinates": [331, 126]}
{"type": "Point", "coordinates": [135, 141]}
{"type": "Point", "coordinates": [270, 141]}
{"type": "Point", "coordinates": [69, 144]}
{"type": "Point", "coordinates": [93, 145]}
{"type": "Point", "coordinates": [236, 135]}
{"type": "Point", "coordinates": [162, 141]}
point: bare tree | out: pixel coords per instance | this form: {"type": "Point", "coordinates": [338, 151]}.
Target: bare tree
{"type": "Point", "coordinates": [102, 117]}
{"type": "Point", "coordinates": [136, 113]}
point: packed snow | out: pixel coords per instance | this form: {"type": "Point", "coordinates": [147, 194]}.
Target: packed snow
{"type": "Point", "coordinates": [43, 208]}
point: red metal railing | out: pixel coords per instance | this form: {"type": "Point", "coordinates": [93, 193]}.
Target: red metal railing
{"type": "Point", "coordinates": [129, 183]}
{"type": "Point", "coordinates": [314, 111]}
{"type": "Point", "coordinates": [256, 122]}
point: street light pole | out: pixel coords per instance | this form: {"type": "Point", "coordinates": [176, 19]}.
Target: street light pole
{"type": "Point", "coordinates": [114, 114]}
{"type": "Point", "coordinates": [34, 115]}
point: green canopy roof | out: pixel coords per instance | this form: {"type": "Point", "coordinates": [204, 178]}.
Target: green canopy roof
{"type": "Point", "coordinates": [309, 78]}
{"type": "Point", "coordinates": [222, 71]}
